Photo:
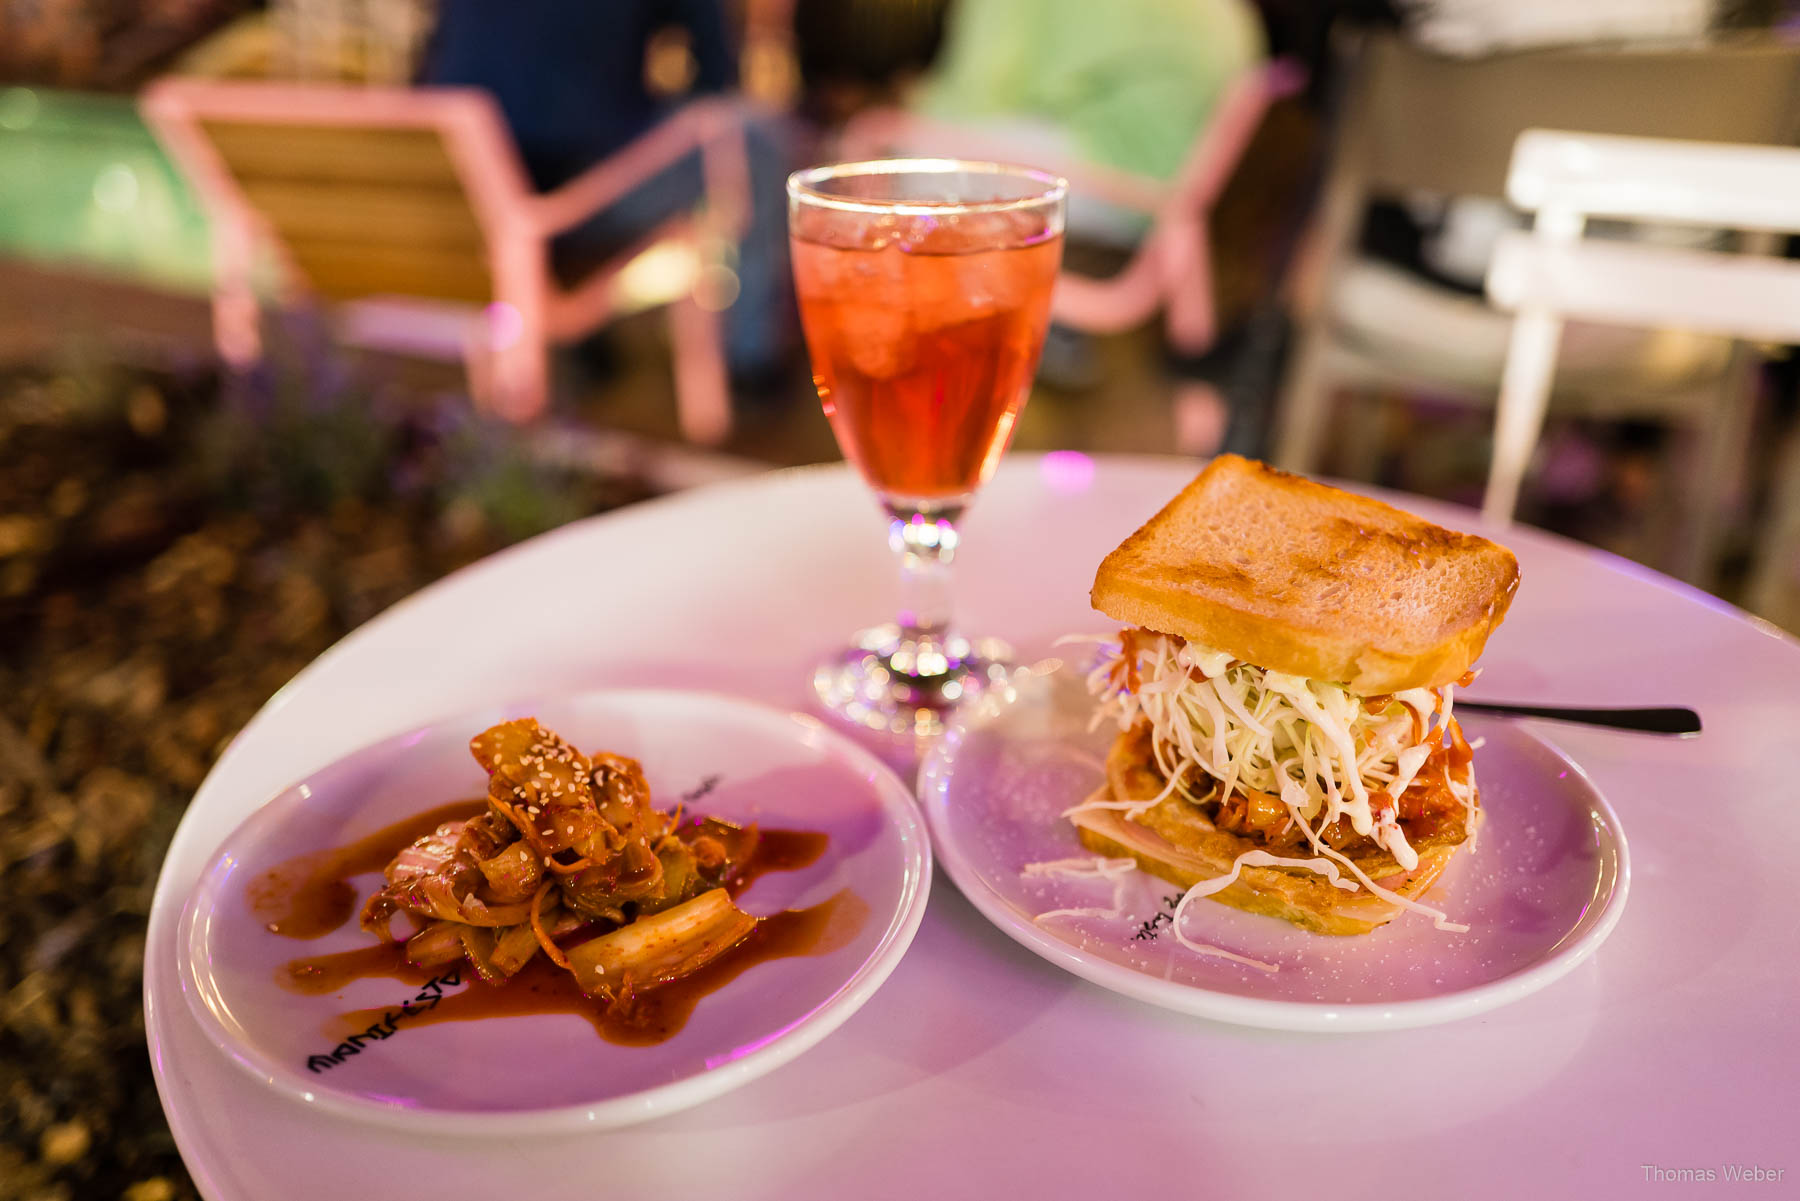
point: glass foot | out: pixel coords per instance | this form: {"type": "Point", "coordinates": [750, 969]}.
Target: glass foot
{"type": "Point", "coordinates": [903, 685]}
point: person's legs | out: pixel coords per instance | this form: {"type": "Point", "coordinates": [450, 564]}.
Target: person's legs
{"type": "Point", "coordinates": [760, 326]}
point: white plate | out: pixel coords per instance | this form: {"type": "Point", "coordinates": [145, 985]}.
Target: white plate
{"type": "Point", "coordinates": [519, 1074]}
{"type": "Point", "coordinates": [1541, 891]}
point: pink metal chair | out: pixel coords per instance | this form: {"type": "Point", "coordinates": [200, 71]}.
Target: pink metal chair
{"type": "Point", "coordinates": [411, 208]}
{"type": "Point", "coordinates": [1171, 269]}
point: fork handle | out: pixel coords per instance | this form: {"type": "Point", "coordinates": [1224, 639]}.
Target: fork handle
{"type": "Point", "coordinates": [1683, 723]}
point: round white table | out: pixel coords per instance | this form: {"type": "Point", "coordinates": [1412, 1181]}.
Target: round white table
{"type": "Point", "coordinates": [981, 1069]}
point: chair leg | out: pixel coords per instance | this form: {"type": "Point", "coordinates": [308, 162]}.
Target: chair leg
{"type": "Point", "coordinates": [1775, 577]}
{"type": "Point", "coordinates": [1365, 436]}
{"type": "Point", "coordinates": [1201, 418]}
{"type": "Point", "coordinates": [1186, 265]}
{"type": "Point", "coordinates": [1718, 468]}
{"type": "Point", "coordinates": [1519, 416]}
{"type": "Point", "coordinates": [1305, 402]}
{"type": "Point", "coordinates": [506, 352]}
{"type": "Point", "coordinates": [478, 365]}
{"type": "Point", "coordinates": [702, 391]}
{"type": "Point", "coordinates": [517, 381]}
{"type": "Point", "coordinates": [237, 326]}
{"type": "Point", "coordinates": [237, 319]}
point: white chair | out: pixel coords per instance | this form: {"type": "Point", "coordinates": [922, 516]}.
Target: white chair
{"type": "Point", "coordinates": [1553, 273]}
{"type": "Point", "coordinates": [1414, 123]}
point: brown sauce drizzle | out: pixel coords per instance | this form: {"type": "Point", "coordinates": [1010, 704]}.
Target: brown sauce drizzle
{"type": "Point", "coordinates": [323, 974]}
{"type": "Point", "coordinates": [651, 1017]}
{"type": "Point", "coordinates": [312, 895]}
{"type": "Point", "coordinates": [778, 851]}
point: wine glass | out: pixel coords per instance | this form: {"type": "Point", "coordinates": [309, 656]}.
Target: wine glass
{"type": "Point", "coordinates": [924, 289]}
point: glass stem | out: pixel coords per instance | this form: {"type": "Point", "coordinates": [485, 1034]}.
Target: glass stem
{"type": "Point", "coordinates": [925, 540]}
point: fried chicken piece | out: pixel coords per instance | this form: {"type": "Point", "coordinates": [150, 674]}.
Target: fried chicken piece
{"type": "Point", "coordinates": [542, 783]}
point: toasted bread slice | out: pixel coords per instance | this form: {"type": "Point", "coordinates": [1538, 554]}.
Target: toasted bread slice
{"type": "Point", "coordinates": [1306, 900]}
{"type": "Point", "coordinates": [1295, 576]}
{"type": "Point", "coordinates": [1176, 842]}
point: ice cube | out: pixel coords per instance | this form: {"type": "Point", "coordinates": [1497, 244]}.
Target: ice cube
{"type": "Point", "coordinates": [878, 339]}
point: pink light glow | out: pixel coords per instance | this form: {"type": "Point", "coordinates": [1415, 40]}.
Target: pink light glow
{"type": "Point", "coordinates": [504, 325]}
{"type": "Point", "coordinates": [1068, 472]}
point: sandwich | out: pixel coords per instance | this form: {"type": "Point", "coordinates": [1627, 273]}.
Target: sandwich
{"type": "Point", "coordinates": [1283, 691]}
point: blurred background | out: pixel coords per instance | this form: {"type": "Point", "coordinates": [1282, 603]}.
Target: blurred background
{"type": "Point", "coordinates": [304, 304]}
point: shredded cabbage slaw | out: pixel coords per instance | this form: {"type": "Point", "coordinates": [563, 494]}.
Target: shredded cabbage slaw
{"type": "Point", "coordinates": [1219, 724]}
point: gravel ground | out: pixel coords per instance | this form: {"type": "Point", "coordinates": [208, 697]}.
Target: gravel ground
{"type": "Point", "coordinates": [169, 557]}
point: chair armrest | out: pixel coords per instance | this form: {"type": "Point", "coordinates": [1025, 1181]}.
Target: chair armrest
{"type": "Point", "coordinates": [1630, 283]}
{"type": "Point", "coordinates": [712, 126]}
{"type": "Point", "coordinates": [886, 130]}
{"type": "Point", "coordinates": [1216, 150]}
{"type": "Point", "coordinates": [1235, 119]}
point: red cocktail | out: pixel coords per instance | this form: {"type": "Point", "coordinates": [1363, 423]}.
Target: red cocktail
{"type": "Point", "coordinates": [924, 288]}
{"type": "Point", "coordinates": [923, 354]}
